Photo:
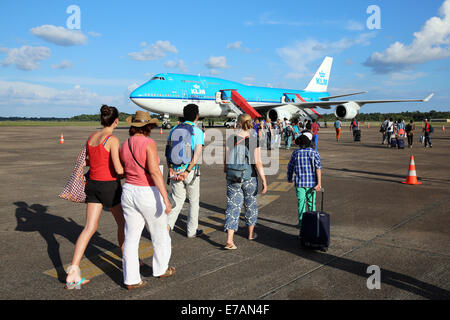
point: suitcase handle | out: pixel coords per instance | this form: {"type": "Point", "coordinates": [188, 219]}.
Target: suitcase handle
{"type": "Point", "coordinates": [323, 192]}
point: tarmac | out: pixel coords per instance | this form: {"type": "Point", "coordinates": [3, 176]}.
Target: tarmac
{"type": "Point", "coordinates": [375, 221]}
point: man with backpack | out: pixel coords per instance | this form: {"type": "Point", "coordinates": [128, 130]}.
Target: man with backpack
{"type": "Point", "coordinates": [383, 130]}
{"type": "Point", "coordinates": [288, 135]}
{"type": "Point", "coordinates": [427, 130]}
{"type": "Point", "coordinates": [183, 151]}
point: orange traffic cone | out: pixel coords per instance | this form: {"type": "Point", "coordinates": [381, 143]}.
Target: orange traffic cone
{"type": "Point", "coordinates": [368, 125]}
{"type": "Point", "coordinates": [443, 128]}
{"type": "Point", "coordinates": [61, 140]}
{"type": "Point", "coordinates": [160, 131]}
{"type": "Point", "coordinates": [412, 176]}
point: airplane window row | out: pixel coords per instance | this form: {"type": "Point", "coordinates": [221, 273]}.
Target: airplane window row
{"type": "Point", "coordinates": [158, 78]}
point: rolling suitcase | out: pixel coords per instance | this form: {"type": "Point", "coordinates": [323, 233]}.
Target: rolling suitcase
{"type": "Point", "coordinates": [393, 143]}
{"type": "Point", "coordinates": [400, 143]}
{"type": "Point", "coordinates": [357, 136]}
{"type": "Point", "coordinates": [315, 231]}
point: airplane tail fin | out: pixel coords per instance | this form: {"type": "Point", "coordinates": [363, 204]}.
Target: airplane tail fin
{"type": "Point", "coordinates": [319, 83]}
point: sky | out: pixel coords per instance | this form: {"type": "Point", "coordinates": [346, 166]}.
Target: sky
{"type": "Point", "coordinates": [64, 58]}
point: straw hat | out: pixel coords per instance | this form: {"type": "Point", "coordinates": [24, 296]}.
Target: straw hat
{"type": "Point", "coordinates": [140, 119]}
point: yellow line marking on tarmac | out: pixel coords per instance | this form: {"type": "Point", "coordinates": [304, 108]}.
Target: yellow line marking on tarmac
{"type": "Point", "coordinates": [280, 186]}
{"type": "Point", "coordinates": [110, 260]}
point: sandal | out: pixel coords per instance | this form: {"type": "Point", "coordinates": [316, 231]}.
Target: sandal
{"type": "Point", "coordinates": [169, 272]}
{"type": "Point", "coordinates": [255, 235]}
{"type": "Point", "coordinates": [136, 286]}
{"type": "Point", "coordinates": [75, 284]}
{"type": "Point", "coordinates": [230, 246]}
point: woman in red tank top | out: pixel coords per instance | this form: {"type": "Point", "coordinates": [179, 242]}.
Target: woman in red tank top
{"type": "Point", "coordinates": [103, 188]}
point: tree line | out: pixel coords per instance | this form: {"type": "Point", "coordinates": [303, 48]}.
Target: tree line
{"type": "Point", "coordinates": [376, 117]}
{"type": "Point", "coordinates": [379, 117]}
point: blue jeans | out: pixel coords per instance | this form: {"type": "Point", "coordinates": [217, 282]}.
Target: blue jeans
{"type": "Point", "coordinates": [427, 139]}
{"type": "Point", "coordinates": [288, 141]}
{"type": "Point", "coordinates": [316, 141]}
{"type": "Point", "coordinates": [239, 194]}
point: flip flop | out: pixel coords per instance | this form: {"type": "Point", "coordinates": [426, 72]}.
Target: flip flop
{"type": "Point", "coordinates": [76, 285]}
{"type": "Point", "coordinates": [169, 272]}
{"type": "Point", "coordinates": [230, 247]}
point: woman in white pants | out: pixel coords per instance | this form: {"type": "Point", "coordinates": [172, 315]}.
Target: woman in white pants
{"type": "Point", "coordinates": [144, 201]}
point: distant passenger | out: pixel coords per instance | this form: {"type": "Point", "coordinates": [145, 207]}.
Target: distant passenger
{"type": "Point", "coordinates": [315, 131]}
{"type": "Point", "coordinates": [268, 131]}
{"type": "Point", "coordinates": [390, 131]}
{"type": "Point", "coordinates": [277, 133]}
{"type": "Point", "coordinates": [337, 126]}
{"type": "Point", "coordinates": [145, 202]}
{"type": "Point", "coordinates": [410, 129]}
{"type": "Point", "coordinates": [427, 130]}
{"type": "Point", "coordinates": [103, 189]}
{"type": "Point", "coordinates": [306, 169]}
{"type": "Point", "coordinates": [288, 135]}
{"type": "Point", "coordinates": [242, 179]}
{"type": "Point", "coordinates": [383, 130]}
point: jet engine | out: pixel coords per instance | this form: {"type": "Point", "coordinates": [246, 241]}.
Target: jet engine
{"type": "Point", "coordinates": [347, 111]}
{"type": "Point", "coordinates": [279, 114]}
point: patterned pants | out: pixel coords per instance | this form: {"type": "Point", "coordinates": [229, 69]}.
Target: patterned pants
{"type": "Point", "coordinates": [239, 194]}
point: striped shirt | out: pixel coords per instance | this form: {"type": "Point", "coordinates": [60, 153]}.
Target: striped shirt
{"type": "Point", "coordinates": [304, 163]}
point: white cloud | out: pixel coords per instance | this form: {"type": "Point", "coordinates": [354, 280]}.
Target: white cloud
{"type": "Point", "coordinates": [154, 51]}
{"type": "Point", "coordinates": [267, 19]}
{"type": "Point", "coordinates": [299, 55]}
{"type": "Point", "coordinates": [430, 43]}
{"type": "Point", "coordinates": [407, 76]}
{"type": "Point", "coordinates": [235, 45]}
{"type": "Point", "coordinates": [25, 58]}
{"type": "Point", "coordinates": [24, 94]}
{"type": "Point", "coordinates": [176, 64]}
{"type": "Point", "coordinates": [354, 26]}
{"type": "Point", "coordinates": [94, 34]}
{"type": "Point", "coordinates": [65, 64]}
{"type": "Point", "coordinates": [59, 35]}
{"type": "Point", "coordinates": [215, 63]}
{"type": "Point", "coordinates": [249, 80]}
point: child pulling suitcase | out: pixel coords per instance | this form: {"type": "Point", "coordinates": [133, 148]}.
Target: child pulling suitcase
{"type": "Point", "coordinates": [315, 231]}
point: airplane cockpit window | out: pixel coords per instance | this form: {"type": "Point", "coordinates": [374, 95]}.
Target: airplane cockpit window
{"type": "Point", "coordinates": [158, 78]}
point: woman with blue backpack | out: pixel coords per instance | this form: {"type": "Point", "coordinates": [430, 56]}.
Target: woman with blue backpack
{"type": "Point", "coordinates": [242, 166]}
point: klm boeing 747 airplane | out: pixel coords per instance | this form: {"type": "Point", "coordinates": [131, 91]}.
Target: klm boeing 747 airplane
{"type": "Point", "coordinates": [168, 93]}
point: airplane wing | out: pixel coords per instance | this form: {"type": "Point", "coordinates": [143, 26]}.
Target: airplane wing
{"type": "Point", "coordinates": [342, 95]}
{"type": "Point", "coordinates": [328, 104]}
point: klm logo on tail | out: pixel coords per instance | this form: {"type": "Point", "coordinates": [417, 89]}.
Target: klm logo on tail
{"type": "Point", "coordinates": [321, 80]}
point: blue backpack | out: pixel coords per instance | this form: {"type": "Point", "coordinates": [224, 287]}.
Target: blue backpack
{"type": "Point", "coordinates": [179, 149]}
{"type": "Point", "coordinates": [238, 167]}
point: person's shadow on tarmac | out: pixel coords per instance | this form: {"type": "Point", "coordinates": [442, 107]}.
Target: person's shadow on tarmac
{"type": "Point", "coordinates": [35, 218]}
{"type": "Point", "coordinates": [290, 243]}
{"type": "Point", "coordinates": [281, 240]}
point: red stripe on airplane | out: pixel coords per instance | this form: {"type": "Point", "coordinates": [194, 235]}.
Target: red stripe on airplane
{"type": "Point", "coordinates": [243, 104]}
{"type": "Point", "coordinates": [303, 100]}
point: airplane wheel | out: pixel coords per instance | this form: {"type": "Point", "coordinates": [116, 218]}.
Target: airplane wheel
{"type": "Point", "coordinates": [167, 126]}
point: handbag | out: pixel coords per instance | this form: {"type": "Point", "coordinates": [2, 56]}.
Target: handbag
{"type": "Point", "coordinates": [169, 195]}
{"type": "Point", "coordinates": [74, 188]}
